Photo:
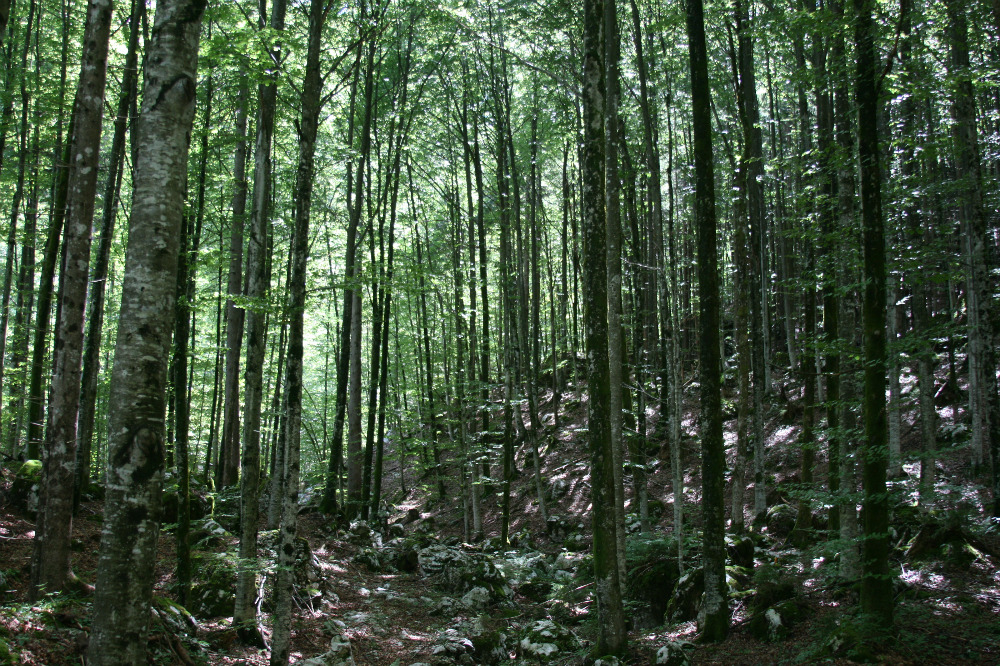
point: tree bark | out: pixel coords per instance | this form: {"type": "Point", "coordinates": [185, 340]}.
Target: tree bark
{"type": "Point", "coordinates": [610, 615]}
{"type": "Point", "coordinates": [716, 624]}
{"type": "Point", "coordinates": [258, 283]}
{"type": "Point", "coordinates": [876, 583]}
{"type": "Point", "coordinates": [138, 388]}
{"type": "Point", "coordinates": [312, 88]}
{"type": "Point", "coordinates": [50, 562]}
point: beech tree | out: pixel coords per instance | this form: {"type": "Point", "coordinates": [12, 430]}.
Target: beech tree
{"type": "Point", "coordinates": [145, 324]}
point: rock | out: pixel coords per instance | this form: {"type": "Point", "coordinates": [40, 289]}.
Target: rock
{"type": "Point", "coordinates": [23, 494]}
{"type": "Point", "coordinates": [370, 559]}
{"type": "Point", "coordinates": [404, 555]}
{"type": "Point", "coordinates": [209, 533]}
{"type": "Point", "coordinates": [445, 607]}
{"type": "Point", "coordinates": [650, 584]}
{"type": "Point", "coordinates": [171, 505]}
{"type": "Point", "coordinates": [174, 617]}
{"type": "Point", "coordinates": [454, 646]}
{"type": "Point", "coordinates": [774, 623]}
{"type": "Point", "coordinates": [685, 602]}
{"type": "Point", "coordinates": [214, 593]}
{"type": "Point", "coordinates": [477, 598]}
{"type": "Point", "coordinates": [780, 521]}
{"type": "Point", "coordinates": [740, 550]}
{"type": "Point", "coordinates": [458, 571]}
{"type": "Point", "coordinates": [557, 528]}
{"type": "Point", "coordinates": [339, 654]}
{"type": "Point", "coordinates": [577, 543]}
{"type": "Point", "coordinates": [489, 646]}
{"type": "Point", "coordinates": [557, 490]}
{"type": "Point", "coordinates": [544, 639]}
{"type": "Point", "coordinates": [674, 653]}
{"type": "Point", "coordinates": [361, 534]}
{"type": "Point", "coordinates": [770, 593]}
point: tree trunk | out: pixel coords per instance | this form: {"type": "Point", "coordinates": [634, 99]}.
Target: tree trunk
{"type": "Point", "coordinates": [876, 582]}
{"type": "Point", "coordinates": [312, 88]}
{"type": "Point", "coordinates": [258, 282]}
{"type": "Point", "coordinates": [229, 444]}
{"type": "Point", "coordinates": [138, 388]}
{"type": "Point", "coordinates": [610, 615]}
{"type": "Point", "coordinates": [99, 278]}
{"type": "Point", "coordinates": [50, 562]}
{"type": "Point", "coordinates": [716, 623]}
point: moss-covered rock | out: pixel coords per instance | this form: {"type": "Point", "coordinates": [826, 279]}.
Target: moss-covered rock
{"type": "Point", "coordinates": [775, 622]}
{"type": "Point", "coordinates": [545, 640]}
{"type": "Point", "coordinates": [685, 602]}
{"type": "Point", "coordinates": [650, 584]}
{"type": "Point", "coordinates": [23, 494]}
{"type": "Point", "coordinates": [780, 520]}
{"type": "Point", "coordinates": [213, 593]}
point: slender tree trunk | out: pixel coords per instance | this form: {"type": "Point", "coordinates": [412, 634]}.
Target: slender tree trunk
{"type": "Point", "coordinates": [984, 401]}
{"type": "Point", "coordinates": [716, 623]}
{"type": "Point", "coordinates": [229, 444]}
{"type": "Point", "coordinates": [258, 281]}
{"type": "Point", "coordinates": [138, 388]}
{"type": "Point", "coordinates": [99, 278]}
{"type": "Point", "coordinates": [50, 563]}
{"type": "Point", "coordinates": [610, 615]}
{"type": "Point", "coordinates": [876, 582]}
{"type": "Point", "coordinates": [312, 89]}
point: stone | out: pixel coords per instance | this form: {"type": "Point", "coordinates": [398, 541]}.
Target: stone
{"type": "Point", "coordinates": [175, 617]}
{"type": "Point", "coordinates": [740, 550]}
{"type": "Point", "coordinates": [674, 653]}
{"type": "Point", "coordinates": [685, 603]}
{"type": "Point", "coordinates": [23, 494]}
{"type": "Point", "coordinates": [651, 583]}
{"type": "Point", "coordinates": [544, 639]}
{"type": "Point", "coordinates": [774, 623]}
{"type": "Point", "coordinates": [557, 489]}
{"type": "Point", "coordinates": [477, 598]}
{"type": "Point", "coordinates": [213, 594]}
{"type": "Point", "coordinates": [780, 520]}
{"type": "Point", "coordinates": [339, 654]}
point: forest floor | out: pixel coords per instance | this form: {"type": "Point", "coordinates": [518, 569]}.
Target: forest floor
{"type": "Point", "coordinates": [947, 603]}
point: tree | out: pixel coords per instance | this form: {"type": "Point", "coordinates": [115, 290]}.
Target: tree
{"type": "Point", "coordinates": [50, 562]}
{"type": "Point", "coordinates": [876, 583]}
{"type": "Point", "coordinates": [713, 458]}
{"type": "Point", "coordinates": [610, 615]}
{"type": "Point", "coordinates": [258, 283]}
{"type": "Point", "coordinates": [312, 88]}
{"type": "Point", "coordinates": [138, 399]}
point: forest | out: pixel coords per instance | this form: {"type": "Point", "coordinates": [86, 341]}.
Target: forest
{"type": "Point", "coordinates": [484, 332]}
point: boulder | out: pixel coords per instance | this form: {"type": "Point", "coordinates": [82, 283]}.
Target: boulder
{"type": "Point", "coordinates": [457, 571]}
{"type": "Point", "coordinates": [674, 653]}
{"type": "Point", "coordinates": [774, 623]}
{"type": "Point", "coordinates": [740, 550]}
{"type": "Point", "coordinates": [339, 654]}
{"type": "Point", "coordinates": [453, 646]}
{"type": "Point", "coordinates": [557, 490]}
{"type": "Point", "coordinates": [650, 585]}
{"type": "Point", "coordinates": [557, 528]}
{"type": "Point", "coordinates": [544, 640]}
{"type": "Point", "coordinates": [213, 593]}
{"type": "Point", "coordinates": [23, 494]}
{"type": "Point", "coordinates": [780, 520]}
{"type": "Point", "coordinates": [685, 602]}
{"type": "Point", "coordinates": [175, 618]}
